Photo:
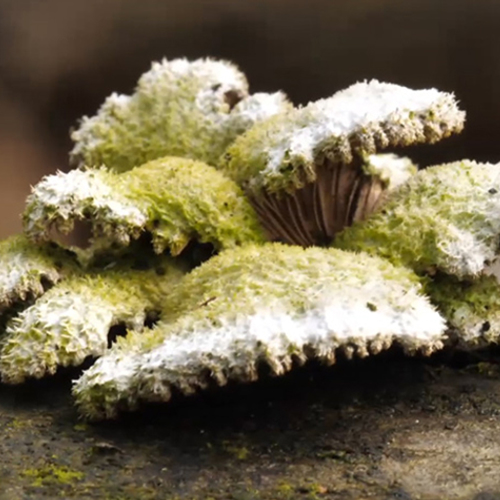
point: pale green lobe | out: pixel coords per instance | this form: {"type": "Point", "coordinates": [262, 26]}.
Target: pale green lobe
{"type": "Point", "coordinates": [271, 304]}
{"type": "Point", "coordinates": [179, 108]}
{"type": "Point", "coordinates": [175, 200]}
{"type": "Point", "coordinates": [27, 270]}
{"type": "Point", "coordinates": [73, 319]}
{"type": "Point", "coordinates": [446, 217]}
{"type": "Point", "coordinates": [283, 152]}
{"type": "Point", "coordinates": [472, 308]}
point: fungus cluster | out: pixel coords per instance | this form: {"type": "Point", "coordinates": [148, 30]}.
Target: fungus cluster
{"type": "Point", "coordinates": [230, 230]}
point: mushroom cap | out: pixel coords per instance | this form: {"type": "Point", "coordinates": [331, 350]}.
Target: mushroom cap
{"type": "Point", "coordinates": [273, 304]}
{"type": "Point", "coordinates": [193, 109]}
{"type": "Point", "coordinates": [446, 218]}
{"type": "Point", "coordinates": [175, 200]}
{"type": "Point", "coordinates": [308, 171]}
{"type": "Point", "coordinates": [283, 152]}
{"type": "Point", "coordinates": [471, 307]}
{"type": "Point", "coordinates": [74, 318]}
{"type": "Point", "coordinates": [28, 270]}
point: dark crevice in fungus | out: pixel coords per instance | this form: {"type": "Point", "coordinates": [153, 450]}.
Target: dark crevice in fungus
{"type": "Point", "coordinates": [118, 330]}
{"type": "Point", "coordinates": [196, 253]}
{"type": "Point", "coordinates": [121, 329]}
{"type": "Point", "coordinates": [233, 97]}
{"type": "Point", "coordinates": [46, 283]}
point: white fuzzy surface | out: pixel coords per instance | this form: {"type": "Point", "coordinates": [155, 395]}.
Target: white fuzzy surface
{"type": "Point", "coordinates": [361, 105]}
{"type": "Point", "coordinates": [233, 350]}
{"type": "Point", "coordinates": [23, 266]}
{"type": "Point", "coordinates": [392, 169]}
{"type": "Point", "coordinates": [191, 109]}
{"type": "Point", "coordinates": [282, 153]}
{"type": "Point", "coordinates": [258, 321]}
{"type": "Point", "coordinates": [256, 108]}
{"type": "Point", "coordinates": [446, 217]}
{"type": "Point", "coordinates": [61, 331]}
{"type": "Point", "coordinates": [165, 73]}
{"type": "Point", "coordinates": [71, 195]}
{"type": "Point", "coordinates": [73, 319]}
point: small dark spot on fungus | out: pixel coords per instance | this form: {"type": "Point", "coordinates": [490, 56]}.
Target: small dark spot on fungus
{"type": "Point", "coordinates": [152, 318]}
{"type": "Point", "coordinates": [216, 87]}
{"type": "Point", "coordinates": [485, 327]}
{"type": "Point", "coordinates": [492, 191]}
{"type": "Point", "coordinates": [233, 97]}
{"type": "Point", "coordinates": [371, 306]}
{"type": "Point", "coordinates": [46, 283]}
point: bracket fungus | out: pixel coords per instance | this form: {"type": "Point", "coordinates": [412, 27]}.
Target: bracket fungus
{"type": "Point", "coordinates": [192, 157]}
{"type": "Point", "coordinates": [270, 304]}
{"type": "Point", "coordinates": [174, 199]}
{"type": "Point", "coordinates": [27, 270]}
{"type": "Point", "coordinates": [446, 217]}
{"type": "Point", "coordinates": [305, 169]}
{"type": "Point", "coordinates": [179, 108]}
{"type": "Point", "coordinates": [73, 319]}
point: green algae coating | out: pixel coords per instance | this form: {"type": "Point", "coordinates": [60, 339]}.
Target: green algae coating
{"type": "Point", "coordinates": [446, 217]}
{"type": "Point", "coordinates": [283, 152]}
{"type": "Point", "coordinates": [27, 270]}
{"type": "Point", "coordinates": [271, 304]}
{"type": "Point", "coordinates": [73, 319]}
{"type": "Point", "coordinates": [176, 200]}
{"type": "Point", "coordinates": [179, 108]}
{"type": "Point", "coordinates": [472, 308]}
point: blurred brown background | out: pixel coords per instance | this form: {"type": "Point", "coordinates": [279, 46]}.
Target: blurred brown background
{"type": "Point", "coordinates": [60, 58]}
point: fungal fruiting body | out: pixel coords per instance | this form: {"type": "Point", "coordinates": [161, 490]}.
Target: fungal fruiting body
{"type": "Point", "coordinates": [305, 169]}
{"type": "Point", "coordinates": [27, 271]}
{"type": "Point", "coordinates": [471, 307]}
{"type": "Point", "coordinates": [445, 218]}
{"type": "Point", "coordinates": [73, 319]}
{"type": "Point", "coordinates": [444, 223]}
{"type": "Point", "coordinates": [179, 108]}
{"type": "Point", "coordinates": [191, 157]}
{"type": "Point", "coordinates": [270, 304]}
{"type": "Point", "coordinates": [174, 200]}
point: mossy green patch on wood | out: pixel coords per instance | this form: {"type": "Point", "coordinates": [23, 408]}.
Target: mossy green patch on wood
{"type": "Point", "coordinates": [52, 474]}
